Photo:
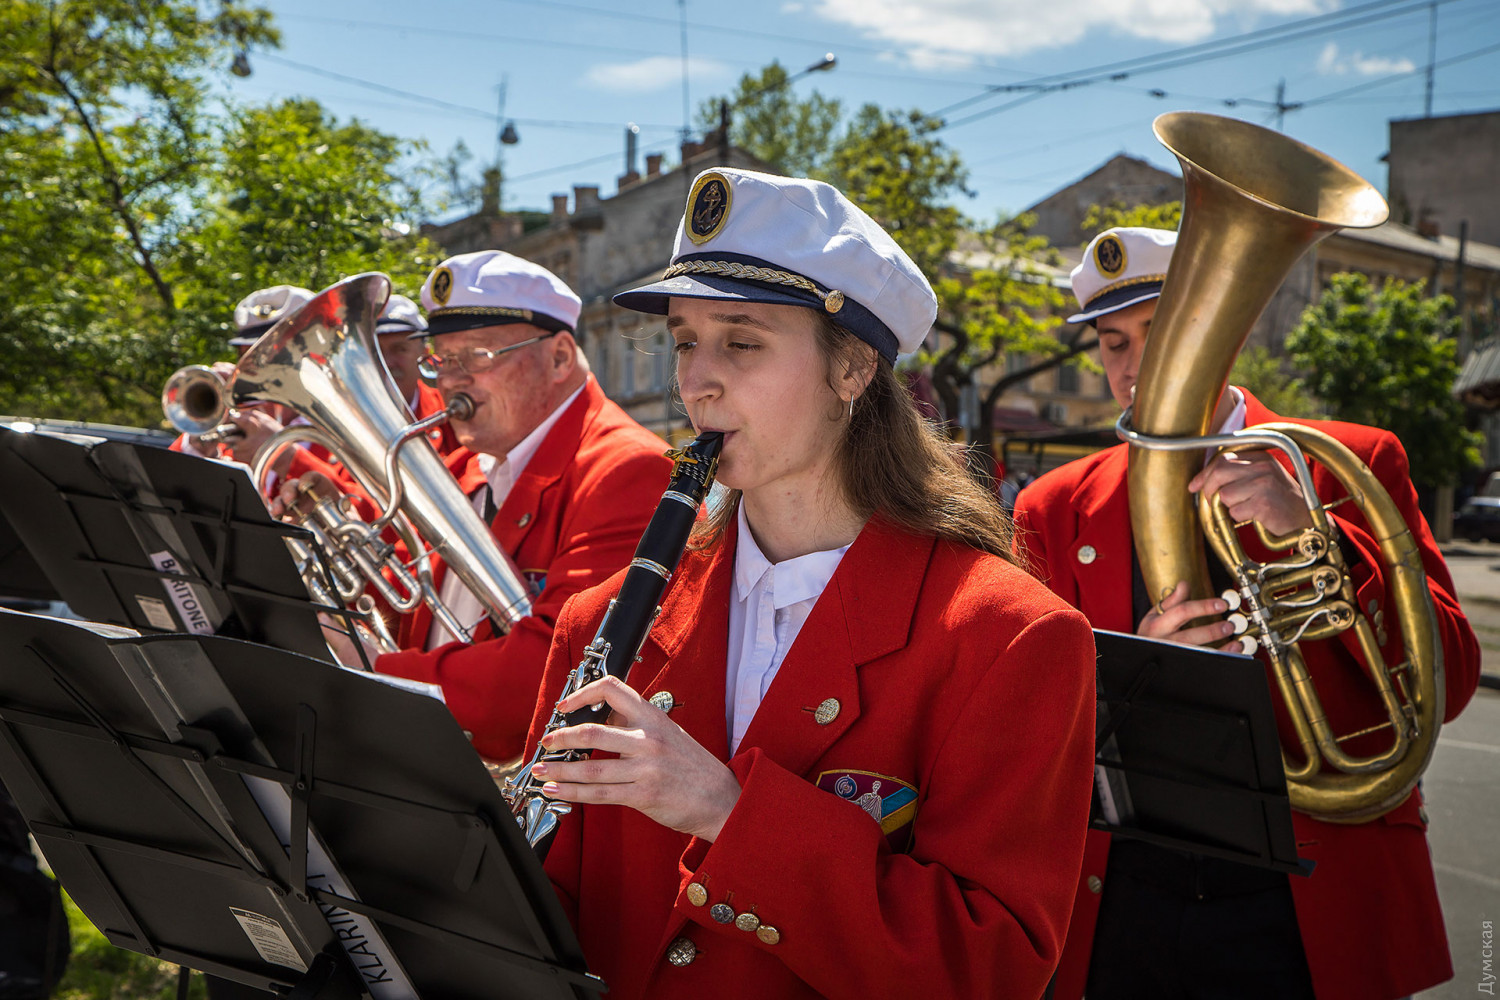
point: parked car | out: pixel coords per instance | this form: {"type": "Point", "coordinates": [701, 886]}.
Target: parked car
{"type": "Point", "coordinates": [1478, 520]}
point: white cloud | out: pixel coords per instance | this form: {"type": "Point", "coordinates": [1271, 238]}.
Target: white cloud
{"type": "Point", "coordinates": [1332, 63]}
{"type": "Point", "coordinates": [654, 72]}
{"type": "Point", "coordinates": [945, 33]}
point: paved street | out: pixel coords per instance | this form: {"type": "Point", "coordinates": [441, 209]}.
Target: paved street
{"type": "Point", "coordinates": [1463, 784]}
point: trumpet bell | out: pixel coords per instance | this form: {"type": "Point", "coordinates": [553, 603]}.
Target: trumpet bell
{"type": "Point", "coordinates": [194, 399]}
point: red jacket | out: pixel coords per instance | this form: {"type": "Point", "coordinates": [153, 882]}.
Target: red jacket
{"type": "Point", "coordinates": [930, 654]}
{"type": "Point", "coordinates": [1369, 915]}
{"type": "Point", "coordinates": [573, 517]}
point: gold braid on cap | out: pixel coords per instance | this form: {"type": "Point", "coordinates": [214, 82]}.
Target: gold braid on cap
{"type": "Point", "coordinates": [524, 314]}
{"type": "Point", "coordinates": [1115, 286]}
{"type": "Point", "coordinates": [832, 301]}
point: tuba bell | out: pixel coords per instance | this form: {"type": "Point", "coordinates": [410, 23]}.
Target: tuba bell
{"type": "Point", "coordinates": [324, 363]}
{"type": "Point", "coordinates": [1253, 202]}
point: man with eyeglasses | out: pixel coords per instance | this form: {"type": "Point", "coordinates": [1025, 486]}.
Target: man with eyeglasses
{"type": "Point", "coordinates": [565, 478]}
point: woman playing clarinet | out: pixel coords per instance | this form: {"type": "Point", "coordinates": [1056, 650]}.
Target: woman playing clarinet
{"type": "Point", "coordinates": [854, 756]}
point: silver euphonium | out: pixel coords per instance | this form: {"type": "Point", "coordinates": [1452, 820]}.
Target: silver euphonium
{"type": "Point", "coordinates": [323, 362]}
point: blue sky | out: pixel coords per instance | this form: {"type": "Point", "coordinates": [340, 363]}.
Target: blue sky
{"type": "Point", "coordinates": [577, 72]}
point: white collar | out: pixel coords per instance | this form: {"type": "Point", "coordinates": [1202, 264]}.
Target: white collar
{"type": "Point", "coordinates": [801, 578]}
{"type": "Point", "coordinates": [1236, 419]}
{"type": "Point", "coordinates": [517, 458]}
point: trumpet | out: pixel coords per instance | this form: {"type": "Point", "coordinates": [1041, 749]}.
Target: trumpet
{"type": "Point", "coordinates": [197, 401]}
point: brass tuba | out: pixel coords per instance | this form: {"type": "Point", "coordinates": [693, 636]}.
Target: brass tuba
{"type": "Point", "coordinates": [1253, 202]}
{"type": "Point", "coordinates": [323, 362]}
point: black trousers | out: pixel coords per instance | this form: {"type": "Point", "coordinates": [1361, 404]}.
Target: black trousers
{"type": "Point", "coordinates": [1176, 926]}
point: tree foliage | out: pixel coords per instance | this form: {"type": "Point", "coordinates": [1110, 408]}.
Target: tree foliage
{"type": "Point", "coordinates": [1266, 375]}
{"type": "Point", "coordinates": [136, 213]}
{"type": "Point", "coordinates": [766, 118]}
{"type": "Point", "coordinates": [300, 198]}
{"type": "Point", "coordinates": [1101, 217]}
{"type": "Point", "coordinates": [1386, 357]}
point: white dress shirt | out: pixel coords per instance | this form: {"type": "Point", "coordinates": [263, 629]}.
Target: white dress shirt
{"type": "Point", "coordinates": [500, 477]}
{"type": "Point", "coordinates": [770, 605]}
{"type": "Point", "coordinates": [1236, 419]}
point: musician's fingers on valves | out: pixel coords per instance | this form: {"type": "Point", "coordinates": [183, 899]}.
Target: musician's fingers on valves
{"type": "Point", "coordinates": [1172, 617]}
{"type": "Point", "coordinates": [1254, 486]}
{"type": "Point", "coordinates": [298, 496]}
{"type": "Point", "coordinates": [256, 428]}
{"type": "Point", "coordinates": [661, 770]}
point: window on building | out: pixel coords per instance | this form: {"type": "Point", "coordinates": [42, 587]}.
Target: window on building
{"type": "Point", "coordinates": [1067, 379]}
{"type": "Point", "coordinates": [1015, 362]}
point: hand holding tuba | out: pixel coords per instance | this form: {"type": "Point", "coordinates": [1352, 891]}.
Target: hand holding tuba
{"type": "Point", "coordinates": [1254, 202]}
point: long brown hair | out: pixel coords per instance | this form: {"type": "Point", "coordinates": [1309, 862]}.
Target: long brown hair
{"type": "Point", "coordinates": [893, 462]}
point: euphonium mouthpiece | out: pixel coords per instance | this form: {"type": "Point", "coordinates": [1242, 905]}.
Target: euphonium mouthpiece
{"type": "Point", "coordinates": [461, 407]}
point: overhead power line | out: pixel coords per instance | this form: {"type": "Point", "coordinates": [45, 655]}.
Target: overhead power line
{"type": "Point", "coordinates": [1191, 54]}
{"type": "Point", "coordinates": [480, 36]}
{"type": "Point", "coordinates": [438, 102]}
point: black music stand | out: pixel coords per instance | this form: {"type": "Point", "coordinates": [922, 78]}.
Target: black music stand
{"type": "Point", "coordinates": [155, 540]}
{"type": "Point", "coordinates": [221, 805]}
{"type": "Point", "coordinates": [1187, 754]}
{"type": "Point", "coordinates": [20, 576]}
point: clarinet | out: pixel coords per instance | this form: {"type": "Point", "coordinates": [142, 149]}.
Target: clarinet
{"type": "Point", "coordinates": [623, 631]}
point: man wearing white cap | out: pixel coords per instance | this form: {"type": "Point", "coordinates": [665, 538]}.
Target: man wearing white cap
{"type": "Point", "coordinates": [254, 315]}
{"type": "Point", "coordinates": [401, 332]}
{"type": "Point", "coordinates": [854, 753]}
{"type": "Point", "coordinates": [1152, 922]}
{"type": "Point", "coordinates": [566, 479]}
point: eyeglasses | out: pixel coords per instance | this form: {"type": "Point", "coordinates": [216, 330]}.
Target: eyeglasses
{"type": "Point", "coordinates": [471, 359]}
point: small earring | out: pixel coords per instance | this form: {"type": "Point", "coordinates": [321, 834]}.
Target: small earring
{"type": "Point", "coordinates": [851, 407]}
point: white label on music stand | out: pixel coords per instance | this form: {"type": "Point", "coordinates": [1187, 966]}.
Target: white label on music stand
{"type": "Point", "coordinates": [191, 606]}
{"type": "Point", "coordinates": [368, 951]}
{"type": "Point", "coordinates": [155, 610]}
{"type": "Point", "coordinates": [269, 939]}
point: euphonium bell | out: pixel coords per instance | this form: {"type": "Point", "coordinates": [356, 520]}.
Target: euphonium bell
{"type": "Point", "coordinates": [323, 362]}
{"type": "Point", "coordinates": [1253, 202]}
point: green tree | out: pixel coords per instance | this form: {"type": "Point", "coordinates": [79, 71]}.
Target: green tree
{"type": "Point", "coordinates": [136, 213]}
{"type": "Point", "coordinates": [893, 165]}
{"type": "Point", "coordinates": [1386, 357]}
{"type": "Point", "coordinates": [1098, 218]}
{"type": "Point", "coordinates": [299, 198]}
{"type": "Point", "coordinates": [766, 119]}
{"type": "Point", "coordinates": [103, 133]}
{"type": "Point", "coordinates": [1005, 305]}
{"type": "Point", "coordinates": [1266, 375]}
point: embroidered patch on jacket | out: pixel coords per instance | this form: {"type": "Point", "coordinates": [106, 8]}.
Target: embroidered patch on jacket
{"type": "Point", "coordinates": [889, 801]}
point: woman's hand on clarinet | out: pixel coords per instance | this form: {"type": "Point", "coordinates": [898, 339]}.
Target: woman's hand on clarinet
{"type": "Point", "coordinates": [661, 771]}
{"type": "Point", "coordinates": [1171, 620]}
